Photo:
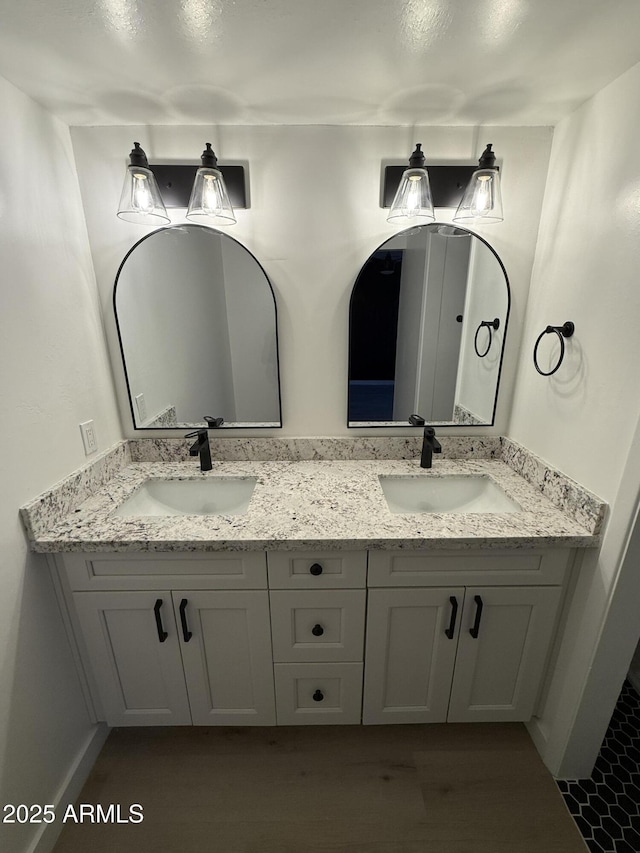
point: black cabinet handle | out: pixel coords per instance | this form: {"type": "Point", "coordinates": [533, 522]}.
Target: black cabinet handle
{"type": "Point", "coordinates": [186, 633]}
{"type": "Point", "coordinates": [476, 625]}
{"type": "Point", "coordinates": [162, 634]}
{"type": "Point", "coordinates": [318, 696]}
{"type": "Point", "coordinates": [316, 569]}
{"type": "Point", "coordinates": [454, 612]}
{"type": "Point", "coordinates": [317, 630]}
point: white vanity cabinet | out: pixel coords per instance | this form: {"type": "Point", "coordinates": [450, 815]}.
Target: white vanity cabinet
{"type": "Point", "coordinates": [180, 657]}
{"type": "Point", "coordinates": [317, 624]}
{"type": "Point", "coordinates": [254, 638]}
{"type": "Point", "coordinates": [459, 653]}
{"type": "Point", "coordinates": [455, 654]}
{"type": "Point", "coordinates": [172, 654]}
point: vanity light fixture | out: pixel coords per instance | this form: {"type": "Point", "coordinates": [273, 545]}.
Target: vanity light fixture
{"type": "Point", "coordinates": [482, 199]}
{"type": "Point", "coordinates": [140, 201]}
{"type": "Point", "coordinates": [209, 200]}
{"type": "Point", "coordinates": [413, 196]}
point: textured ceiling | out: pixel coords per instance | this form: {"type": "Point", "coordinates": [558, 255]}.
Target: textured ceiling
{"type": "Point", "coordinates": [387, 62]}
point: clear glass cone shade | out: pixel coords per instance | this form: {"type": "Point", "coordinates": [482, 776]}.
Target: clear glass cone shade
{"type": "Point", "coordinates": [482, 199]}
{"type": "Point", "coordinates": [141, 201]}
{"type": "Point", "coordinates": [413, 197]}
{"type": "Point", "coordinates": [209, 199]}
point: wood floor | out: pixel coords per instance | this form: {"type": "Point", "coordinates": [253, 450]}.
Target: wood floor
{"type": "Point", "coordinates": [346, 789]}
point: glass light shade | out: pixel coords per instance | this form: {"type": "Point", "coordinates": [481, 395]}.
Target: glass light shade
{"type": "Point", "coordinates": [209, 198]}
{"type": "Point", "coordinates": [413, 197]}
{"type": "Point", "coordinates": [482, 199]}
{"type": "Point", "coordinates": [141, 201]}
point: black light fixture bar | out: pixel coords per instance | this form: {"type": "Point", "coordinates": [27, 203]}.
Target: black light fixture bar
{"type": "Point", "coordinates": [447, 183]}
{"type": "Point", "coordinates": [176, 182]}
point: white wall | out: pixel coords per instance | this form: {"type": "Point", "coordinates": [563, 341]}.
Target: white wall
{"type": "Point", "coordinates": [54, 373]}
{"type": "Point", "coordinates": [314, 220]}
{"type": "Point", "coordinates": [583, 419]}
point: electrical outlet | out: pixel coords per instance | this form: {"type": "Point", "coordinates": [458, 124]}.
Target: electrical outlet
{"type": "Point", "coordinates": [141, 407]}
{"type": "Point", "coordinates": [89, 437]}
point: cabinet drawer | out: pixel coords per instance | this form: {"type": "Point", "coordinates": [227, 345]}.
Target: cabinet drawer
{"type": "Point", "coordinates": [317, 570]}
{"type": "Point", "coordinates": [320, 693]}
{"type": "Point", "coordinates": [223, 570]}
{"type": "Point", "coordinates": [440, 568]}
{"type": "Point", "coordinates": [317, 625]}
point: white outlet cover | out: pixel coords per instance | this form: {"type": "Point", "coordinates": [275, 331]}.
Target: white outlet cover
{"type": "Point", "coordinates": [89, 438]}
{"type": "Point", "coordinates": [141, 406]}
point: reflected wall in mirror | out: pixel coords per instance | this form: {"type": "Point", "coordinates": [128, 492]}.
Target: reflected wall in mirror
{"type": "Point", "coordinates": [196, 318]}
{"type": "Point", "coordinates": [423, 336]}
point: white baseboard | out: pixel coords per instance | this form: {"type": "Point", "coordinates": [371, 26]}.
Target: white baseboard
{"type": "Point", "coordinates": [538, 735]}
{"type": "Point", "coordinates": [70, 788]}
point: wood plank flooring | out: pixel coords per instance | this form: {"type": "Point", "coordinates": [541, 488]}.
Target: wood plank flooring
{"type": "Point", "coordinates": [346, 789]}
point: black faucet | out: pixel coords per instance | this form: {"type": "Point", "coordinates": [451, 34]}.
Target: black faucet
{"type": "Point", "coordinates": [200, 447]}
{"type": "Point", "coordinates": [430, 443]}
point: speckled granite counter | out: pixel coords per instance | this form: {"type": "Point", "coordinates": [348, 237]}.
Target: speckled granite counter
{"type": "Point", "coordinates": [326, 504]}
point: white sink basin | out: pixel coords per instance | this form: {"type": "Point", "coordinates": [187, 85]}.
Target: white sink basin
{"type": "Point", "coordinates": [209, 496]}
{"type": "Point", "coordinates": [455, 493]}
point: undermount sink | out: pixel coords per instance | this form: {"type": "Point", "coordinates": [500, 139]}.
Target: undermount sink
{"type": "Point", "coordinates": [454, 494]}
{"type": "Point", "coordinates": [209, 496]}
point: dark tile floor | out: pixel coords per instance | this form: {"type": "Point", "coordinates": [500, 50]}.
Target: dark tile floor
{"type": "Point", "coordinates": [607, 806]}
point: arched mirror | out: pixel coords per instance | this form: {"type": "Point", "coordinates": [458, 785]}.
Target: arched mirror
{"type": "Point", "coordinates": [427, 328]}
{"type": "Point", "coordinates": [196, 317]}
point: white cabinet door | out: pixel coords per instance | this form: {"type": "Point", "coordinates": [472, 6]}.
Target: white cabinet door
{"type": "Point", "coordinates": [412, 636]}
{"type": "Point", "coordinates": [226, 651]}
{"type": "Point", "coordinates": [505, 633]}
{"type": "Point", "coordinates": [132, 642]}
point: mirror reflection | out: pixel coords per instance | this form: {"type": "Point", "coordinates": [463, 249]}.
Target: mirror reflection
{"type": "Point", "coordinates": [427, 327]}
{"type": "Point", "coordinates": [196, 318]}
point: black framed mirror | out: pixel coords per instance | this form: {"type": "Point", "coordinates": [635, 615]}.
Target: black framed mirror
{"type": "Point", "coordinates": [197, 324]}
{"type": "Point", "coordinates": [428, 321]}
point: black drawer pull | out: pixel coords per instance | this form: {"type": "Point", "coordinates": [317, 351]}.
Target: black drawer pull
{"type": "Point", "coordinates": [162, 634]}
{"type": "Point", "coordinates": [318, 696]}
{"type": "Point", "coordinates": [186, 633]}
{"type": "Point", "coordinates": [454, 612]}
{"type": "Point", "coordinates": [316, 569]}
{"type": "Point", "coordinates": [476, 625]}
{"type": "Point", "coordinates": [317, 630]}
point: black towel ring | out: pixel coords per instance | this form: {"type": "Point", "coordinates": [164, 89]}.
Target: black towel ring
{"type": "Point", "coordinates": [490, 324]}
{"type": "Point", "coordinates": [564, 331]}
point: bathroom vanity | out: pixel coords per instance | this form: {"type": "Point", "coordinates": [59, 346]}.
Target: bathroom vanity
{"type": "Point", "coordinates": [317, 605]}
{"type": "Point", "coordinates": [257, 638]}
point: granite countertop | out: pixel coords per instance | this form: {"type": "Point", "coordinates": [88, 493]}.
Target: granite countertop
{"type": "Point", "coordinates": [309, 505]}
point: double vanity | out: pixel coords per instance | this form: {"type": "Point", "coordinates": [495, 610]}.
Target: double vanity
{"type": "Point", "coordinates": [306, 581]}
{"type": "Point", "coordinates": [298, 590]}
